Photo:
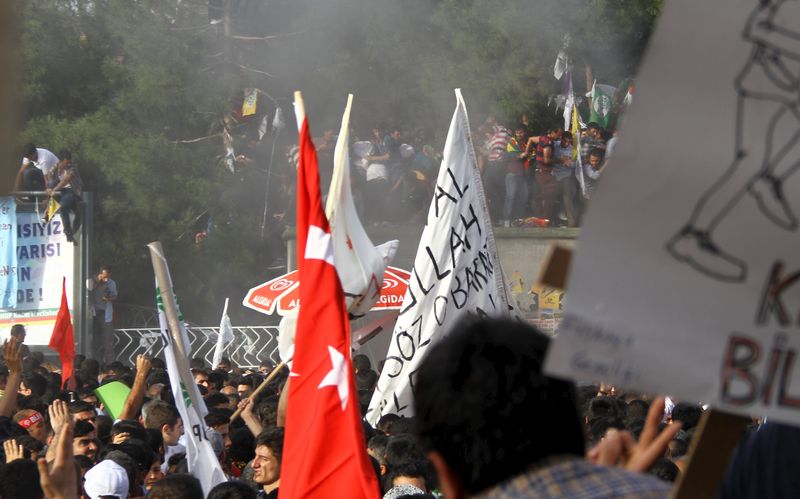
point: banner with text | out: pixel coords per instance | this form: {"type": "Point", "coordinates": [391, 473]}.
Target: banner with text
{"type": "Point", "coordinates": [686, 280]}
{"type": "Point", "coordinates": [8, 253]}
{"type": "Point", "coordinates": [43, 257]}
{"type": "Point", "coordinates": [456, 271]}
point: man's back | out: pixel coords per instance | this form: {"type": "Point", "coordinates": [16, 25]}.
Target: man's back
{"type": "Point", "coordinates": [577, 478]}
{"type": "Point", "coordinates": [32, 179]}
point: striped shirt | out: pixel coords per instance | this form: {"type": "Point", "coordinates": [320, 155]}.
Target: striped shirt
{"type": "Point", "coordinates": [577, 478]}
{"type": "Point", "coordinates": [498, 143]}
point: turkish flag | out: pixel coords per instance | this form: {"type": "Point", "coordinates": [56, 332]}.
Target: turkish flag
{"type": "Point", "coordinates": [62, 340]}
{"type": "Point", "coordinates": [324, 453]}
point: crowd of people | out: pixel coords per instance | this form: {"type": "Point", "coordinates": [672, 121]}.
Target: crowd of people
{"type": "Point", "coordinates": [519, 433]}
{"type": "Point", "coordinates": [526, 175]}
{"type": "Point", "coordinates": [544, 176]}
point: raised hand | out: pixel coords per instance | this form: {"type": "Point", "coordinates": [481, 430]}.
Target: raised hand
{"type": "Point", "coordinates": [59, 415]}
{"type": "Point", "coordinates": [60, 481]}
{"type": "Point", "coordinates": [13, 450]}
{"type": "Point", "coordinates": [11, 356]}
{"type": "Point", "coordinates": [120, 438]}
{"type": "Point", "coordinates": [143, 365]}
{"type": "Point", "coordinates": [618, 448]}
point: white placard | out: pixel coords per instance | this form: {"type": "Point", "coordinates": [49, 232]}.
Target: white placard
{"type": "Point", "coordinates": [687, 275]}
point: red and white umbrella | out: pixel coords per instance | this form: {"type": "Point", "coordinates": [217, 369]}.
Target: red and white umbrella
{"type": "Point", "coordinates": [282, 294]}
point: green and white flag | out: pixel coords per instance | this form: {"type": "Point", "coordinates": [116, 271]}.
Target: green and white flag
{"type": "Point", "coordinates": [602, 101]}
{"type": "Point", "coordinates": [202, 462]}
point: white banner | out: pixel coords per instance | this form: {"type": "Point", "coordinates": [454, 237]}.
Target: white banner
{"type": "Point", "coordinates": [456, 271]}
{"type": "Point", "coordinates": [202, 462]}
{"type": "Point", "coordinates": [44, 257]}
{"type": "Point", "coordinates": [686, 280]}
{"type": "Point", "coordinates": [359, 263]}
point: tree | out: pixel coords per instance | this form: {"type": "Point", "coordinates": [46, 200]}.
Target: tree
{"type": "Point", "coordinates": [142, 90]}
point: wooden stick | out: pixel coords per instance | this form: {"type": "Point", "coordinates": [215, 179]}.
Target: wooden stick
{"type": "Point", "coordinates": [555, 270]}
{"type": "Point", "coordinates": [261, 387]}
{"type": "Point", "coordinates": [718, 433]}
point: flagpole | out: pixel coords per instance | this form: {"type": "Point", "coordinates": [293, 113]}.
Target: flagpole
{"type": "Point", "coordinates": [260, 388]}
{"type": "Point", "coordinates": [269, 176]}
{"type": "Point", "coordinates": [164, 283]}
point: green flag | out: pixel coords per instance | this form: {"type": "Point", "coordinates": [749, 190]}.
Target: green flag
{"type": "Point", "coordinates": [602, 100]}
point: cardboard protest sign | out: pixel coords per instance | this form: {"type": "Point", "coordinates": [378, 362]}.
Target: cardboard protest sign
{"type": "Point", "coordinates": [686, 280]}
{"type": "Point", "coordinates": [456, 271]}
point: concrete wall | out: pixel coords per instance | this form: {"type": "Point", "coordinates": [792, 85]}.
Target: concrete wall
{"type": "Point", "coordinates": [521, 251]}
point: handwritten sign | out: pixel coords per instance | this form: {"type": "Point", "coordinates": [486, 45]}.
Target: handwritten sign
{"type": "Point", "coordinates": [686, 280]}
{"type": "Point", "coordinates": [456, 271]}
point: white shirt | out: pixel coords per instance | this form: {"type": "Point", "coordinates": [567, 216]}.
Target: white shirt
{"type": "Point", "coordinates": [377, 171]}
{"type": "Point", "coordinates": [46, 161]}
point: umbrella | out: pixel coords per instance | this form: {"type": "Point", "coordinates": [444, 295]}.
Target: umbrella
{"type": "Point", "coordinates": [282, 294]}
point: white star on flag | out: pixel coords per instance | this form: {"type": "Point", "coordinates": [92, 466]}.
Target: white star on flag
{"type": "Point", "coordinates": [337, 376]}
{"type": "Point", "coordinates": [318, 245]}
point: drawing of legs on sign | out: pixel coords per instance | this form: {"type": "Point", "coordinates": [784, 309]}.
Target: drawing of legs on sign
{"type": "Point", "coordinates": [768, 117]}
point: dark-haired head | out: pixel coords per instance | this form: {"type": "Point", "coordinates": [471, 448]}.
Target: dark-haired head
{"type": "Point", "coordinates": [232, 490]}
{"type": "Point", "coordinates": [485, 408]}
{"type": "Point", "coordinates": [177, 486]}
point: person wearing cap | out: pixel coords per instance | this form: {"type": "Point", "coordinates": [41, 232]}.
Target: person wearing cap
{"type": "Point", "coordinates": [106, 480]}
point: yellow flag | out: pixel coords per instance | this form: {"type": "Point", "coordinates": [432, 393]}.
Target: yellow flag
{"type": "Point", "coordinates": [52, 208]}
{"type": "Point", "coordinates": [575, 130]}
{"type": "Point", "coordinates": [250, 100]}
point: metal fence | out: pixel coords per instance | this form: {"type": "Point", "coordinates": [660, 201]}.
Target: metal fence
{"type": "Point", "coordinates": [251, 344]}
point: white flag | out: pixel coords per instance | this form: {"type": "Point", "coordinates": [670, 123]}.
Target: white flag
{"type": "Point", "coordinates": [263, 127]}
{"type": "Point", "coordinates": [569, 103]}
{"type": "Point", "coordinates": [456, 271]}
{"type": "Point", "coordinates": [359, 263]}
{"type": "Point", "coordinates": [561, 64]}
{"type": "Point", "coordinates": [230, 156]}
{"type": "Point", "coordinates": [224, 337]}
{"type": "Point", "coordinates": [202, 462]}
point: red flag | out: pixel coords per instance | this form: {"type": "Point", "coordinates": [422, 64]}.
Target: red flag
{"type": "Point", "coordinates": [62, 339]}
{"type": "Point", "coordinates": [324, 453]}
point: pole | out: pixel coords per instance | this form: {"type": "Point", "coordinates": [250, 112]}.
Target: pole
{"type": "Point", "coordinates": [269, 176]}
{"type": "Point", "coordinates": [260, 388]}
{"type": "Point", "coordinates": [164, 283]}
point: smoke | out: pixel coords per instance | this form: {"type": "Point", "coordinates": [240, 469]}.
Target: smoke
{"type": "Point", "coordinates": [403, 58]}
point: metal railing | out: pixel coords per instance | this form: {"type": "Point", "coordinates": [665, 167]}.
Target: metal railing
{"type": "Point", "coordinates": [251, 344]}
